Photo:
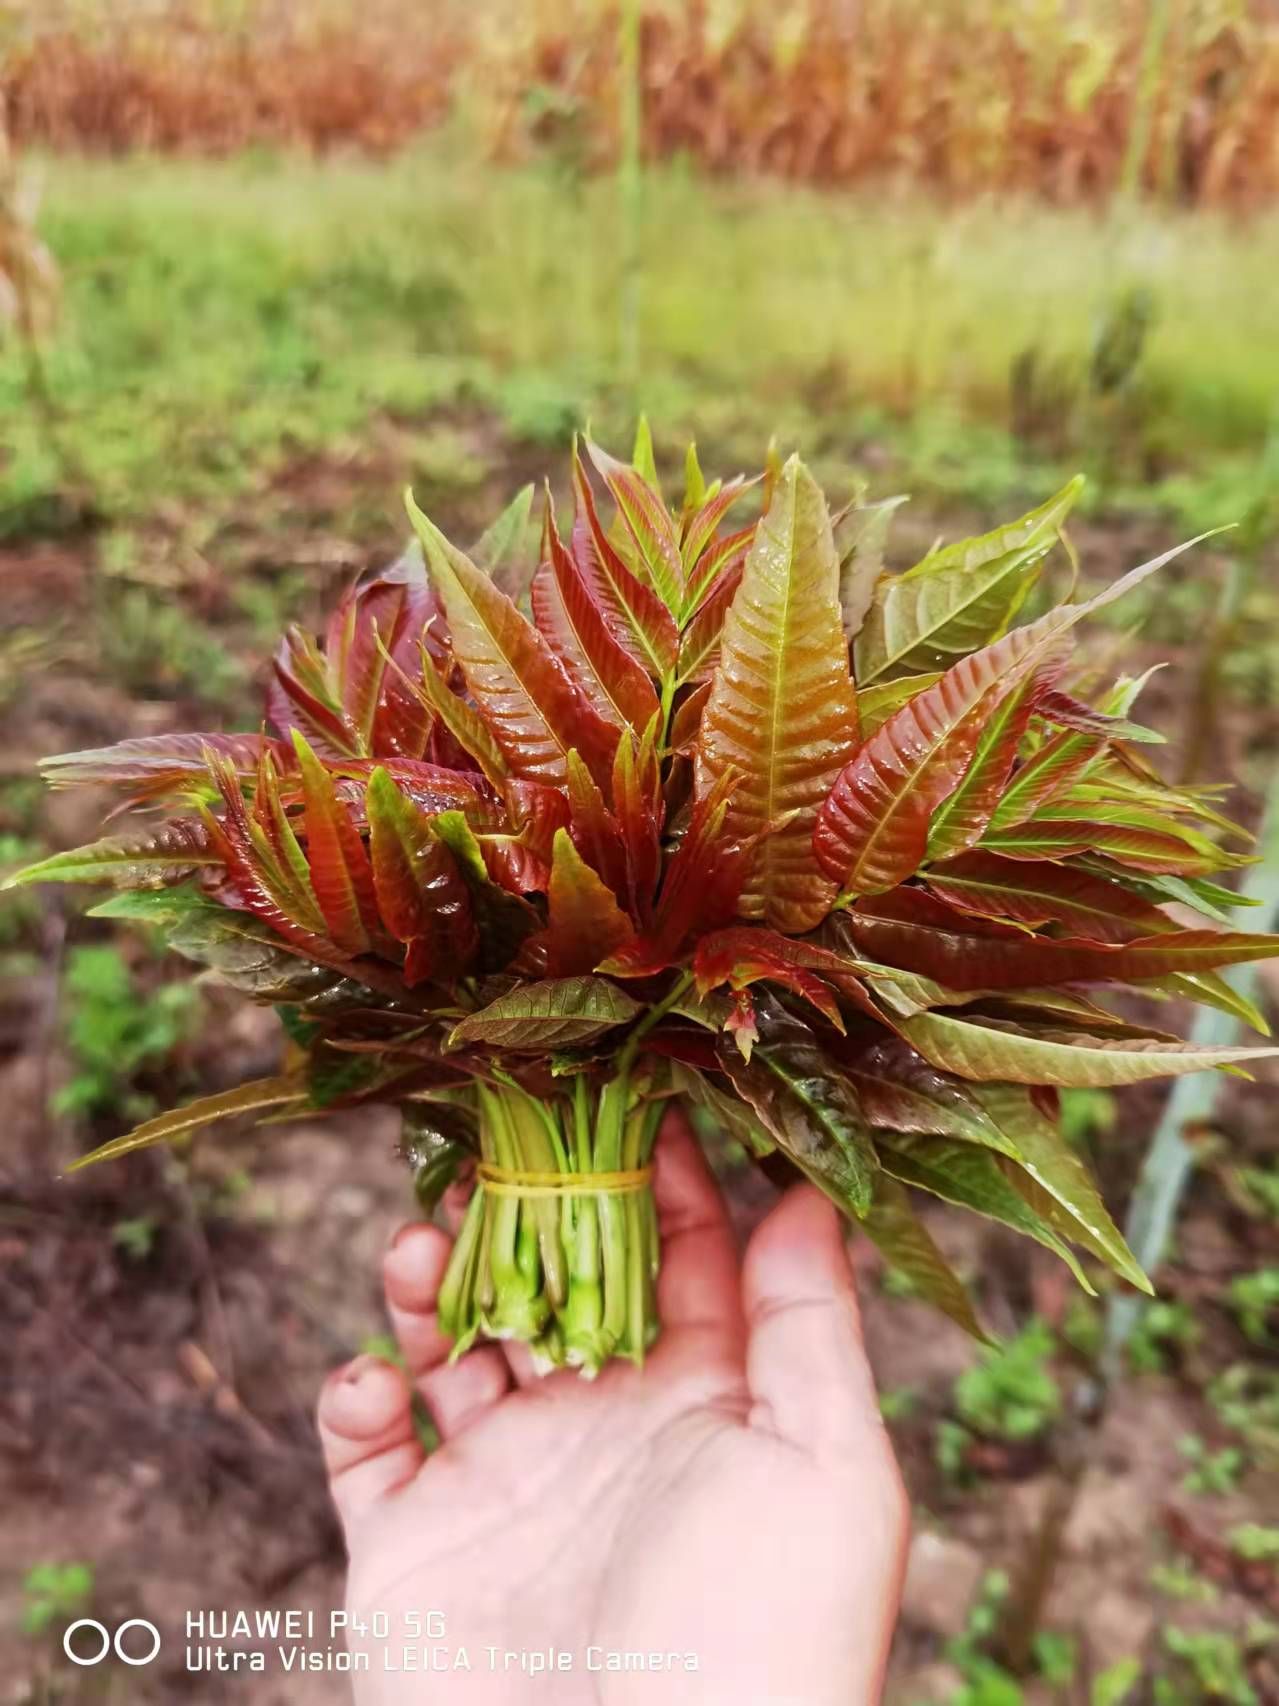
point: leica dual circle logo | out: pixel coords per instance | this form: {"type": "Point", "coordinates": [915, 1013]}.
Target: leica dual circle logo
{"type": "Point", "coordinates": [97, 1641]}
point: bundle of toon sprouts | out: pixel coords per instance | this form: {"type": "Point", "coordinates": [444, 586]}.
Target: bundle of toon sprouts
{"type": "Point", "coordinates": [697, 802]}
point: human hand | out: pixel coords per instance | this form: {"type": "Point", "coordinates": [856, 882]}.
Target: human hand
{"type": "Point", "coordinates": [736, 1499]}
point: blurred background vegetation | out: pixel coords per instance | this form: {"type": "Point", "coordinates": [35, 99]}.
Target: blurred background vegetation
{"type": "Point", "coordinates": [264, 261]}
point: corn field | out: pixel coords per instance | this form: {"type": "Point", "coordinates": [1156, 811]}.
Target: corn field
{"type": "Point", "coordinates": [964, 96]}
{"type": "Point", "coordinates": [215, 75]}
{"type": "Point", "coordinates": [1071, 100]}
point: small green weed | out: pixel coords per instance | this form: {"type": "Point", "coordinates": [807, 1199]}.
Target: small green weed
{"type": "Point", "coordinates": [1245, 1398]}
{"type": "Point", "coordinates": [1180, 1580]}
{"type": "Point", "coordinates": [1086, 1114]}
{"type": "Point", "coordinates": [1255, 1300]}
{"type": "Point", "coordinates": [1212, 1663]}
{"type": "Point", "coordinates": [988, 1684]}
{"type": "Point", "coordinates": [951, 1445]}
{"type": "Point", "coordinates": [136, 1237]}
{"type": "Point", "coordinates": [1211, 1471]}
{"type": "Point", "coordinates": [540, 409]}
{"type": "Point", "coordinates": [985, 1682]}
{"type": "Point", "coordinates": [898, 1403]}
{"type": "Point", "coordinates": [113, 1031]}
{"type": "Point", "coordinates": [446, 460]}
{"type": "Point", "coordinates": [1082, 1327]}
{"type": "Point", "coordinates": [1011, 1393]}
{"type": "Point", "coordinates": [21, 804]}
{"type": "Point", "coordinates": [895, 1282]}
{"type": "Point", "coordinates": [1164, 1330]}
{"type": "Point", "coordinates": [24, 651]}
{"type": "Point", "coordinates": [270, 605]}
{"type": "Point", "coordinates": [1056, 1657]}
{"type": "Point", "coordinates": [1114, 1684]}
{"type": "Point", "coordinates": [54, 1593]}
{"type": "Point", "coordinates": [20, 910]}
{"type": "Point", "coordinates": [1255, 1543]}
{"type": "Point", "coordinates": [1260, 1186]}
{"type": "Point", "coordinates": [1261, 1635]}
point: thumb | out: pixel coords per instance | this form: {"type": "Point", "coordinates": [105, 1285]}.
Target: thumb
{"type": "Point", "coordinates": [806, 1363]}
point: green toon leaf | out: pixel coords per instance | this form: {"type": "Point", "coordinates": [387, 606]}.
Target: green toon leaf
{"type": "Point", "coordinates": [804, 1102]}
{"type": "Point", "coordinates": [240, 949]}
{"type": "Point", "coordinates": [988, 1053]}
{"type": "Point", "coordinates": [729, 1112]}
{"type": "Point", "coordinates": [435, 1139]}
{"type": "Point", "coordinates": [905, 993]}
{"type": "Point", "coordinates": [421, 894]}
{"type": "Point", "coordinates": [532, 709]}
{"type": "Point", "coordinates": [960, 598]}
{"type": "Point", "coordinates": [861, 535]}
{"type": "Point", "coordinates": [585, 924]}
{"type": "Point", "coordinates": [965, 1174]}
{"type": "Point", "coordinates": [900, 1091]}
{"type": "Point", "coordinates": [694, 480]}
{"type": "Point", "coordinates": [507, 549]}
{"type": "Point", "coordinates": [1036, 892]}
{"type": "Point", "coordinates": [782, 711]}
{"type": "Point", "coordinates": [961, 818]}
{"type": "Point", "coordinates": [876, 704]}
{"type": "Point", "coordinates": [142, 860]}
{"type": "Point", "coordinates": [654, 543]}
{"type": "Point", "coordinates": [1198, 893]}
{"type": "Point", "coordinates": [561, 1012]}
{"type": "Point", "coordinates": [634, 614]}
{"type": "Point", "coordinates": [1157, 845]}
{"type": "Point", "coordinates": [164, 908]}
{"type": "Point", "coordinates": [872, 829]}
{"type": "Point", "coordinates": [275, 1093]}
{"type": "Point", "coordinates": [642, 459]}
{"type": "Point", "coordinates": [905, 1243]}
{"type": "Point", "coordinates": [462, 721]}
{"type": "Point", "coordinates": [1209, 990]}
{"type": "Point", "coordinates": [504, 920]}
{"type": "Point", "coordinates": [1054, 1181]}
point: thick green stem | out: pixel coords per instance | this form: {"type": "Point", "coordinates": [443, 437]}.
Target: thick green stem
{"type": "Point", "coordinates": [669, 684]}
{"type": "Point", "coordinates": [456, 1300]}
{"type": "Point", "coordinates": [640, 1223]}
{"type": "Point", "coordinates": [519, 1307]}
{"type": "Point", "coordinates": [570, 1272]}
{"type": "Point", "coordinates": [584, 1314]}
{"type": "Point", "coordinates": [608, 1159]}
{"type": "Point", "coordinates": [539, 1145]}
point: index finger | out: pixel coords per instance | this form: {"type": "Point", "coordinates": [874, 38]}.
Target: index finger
{"type": "Point", "coordinates": [699, 1284]}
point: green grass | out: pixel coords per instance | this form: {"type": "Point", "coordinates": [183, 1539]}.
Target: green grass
{"type": "Point", "coordinates": [222, 316]}
{"type": "Point", "coordinates": [53, 1594]}
{"type": "Point", "coordinates": [116, 1032]}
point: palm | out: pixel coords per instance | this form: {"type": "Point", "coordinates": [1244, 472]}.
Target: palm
{"type": "Point", "coordinates": [735, 1499]}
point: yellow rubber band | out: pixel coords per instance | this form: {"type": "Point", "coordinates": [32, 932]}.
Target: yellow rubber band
{"type": "Point", "coordinates": [519, 1182]}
